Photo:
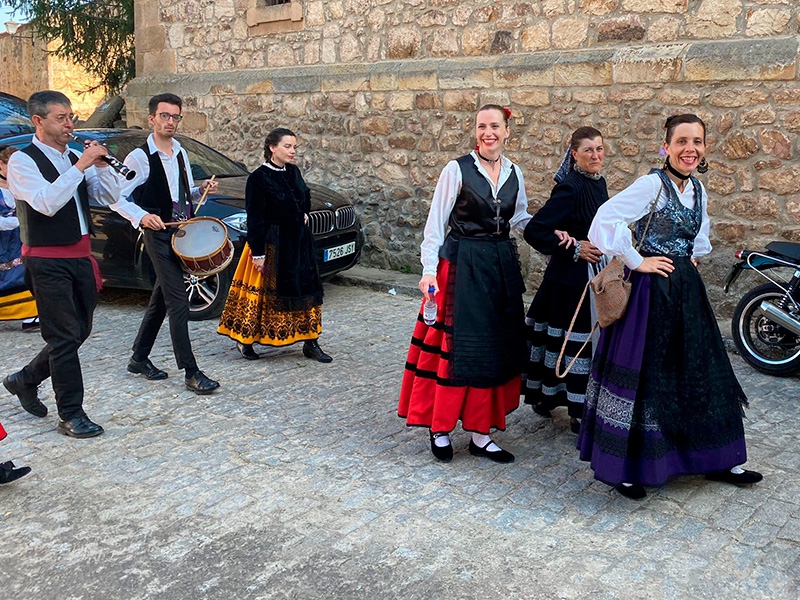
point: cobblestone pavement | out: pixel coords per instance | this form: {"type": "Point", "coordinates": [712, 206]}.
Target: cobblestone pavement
{"type": "Point", "coordinates": [297, 480]}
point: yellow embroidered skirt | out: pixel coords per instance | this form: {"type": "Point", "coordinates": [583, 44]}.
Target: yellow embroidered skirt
{"type": "Point", "coordinates": [251, 315]}
{"type": "Point", "coordinates": [19, 305]}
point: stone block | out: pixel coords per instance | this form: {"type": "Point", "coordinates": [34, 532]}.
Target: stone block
{"type": "Point", "coordinates": [648, 64]}
{"type": "Point", "coordinates": [151, 38]}
{"type": "Point", "coordinates": [748, 60]}
{"type": "Point", "coordinates": [584, 69]}
{"type": "Point", "coordinates": [428, 101]}
{"type": "Point", "coordinates": [758, 116]}
{"type": "Point", "coordinates": [755, 207]}
{"type": "Point", "coordinates": [631, 94]}
{"type": "Point", "coordinates": [590, 96]}
{"type": "Point", "coordinates": [627, 29]}
{"type": "Point", "coordinates": [569, 32]}
{"type": "Point", "coordinates": [766, 22]}
{"type": "Point", "coordinates": [734, 98]}
{"type": "Point", "coordinates": [194, 121]}
{"type": "Point", "coordinates": [403, 42]}
{"type": "Point", "coordinates": [401, 101]}
{"type": "Point", "coordinates": [679, 97]}
{"type": "Point", "coordinates": [738, 146]}
{"type": "Point", "coordinates": [341, 101]}
{"type": "Point", "coordinates": [294, 106]}
{"type": "Point", "coordinates": [785, 180]}
{"type": "Point", "coordinates": [536, 37]}
{"type": "Point", "coordinates": [418, 81]}
{"type": "Point", "coordinates": [664, 29]}
{"type": "Point", "coordinates": [376, 126]}
{"type": "Point", "coordinates": [714, 19]}
{"type": "Point", "coordinates": [791, 121]}
{"type": "Point", "coordinates": [459, 79]}
{"type": "Point", "coordinates": [523, 78]}
{"type": "Point", "coordinates": [445, 42]}
{"type": "Point", "coordinates": [163, 61]}
{"type": "Point", "coordinates": [260, 87]}
{"type": "Point", "coordinates": [598, 7]}
{"type": "Point", "coordinates": [628, 148]}
{"type": "Point", "coordinates": [776, 143]}
{"type": "Point", "coordinates": [535, 98]}
{"type": "Point", "coordinates": [655, 6]}
{"type": "Point", "coordinates": [721, 184]}
{"type": "Point", "coordinates": [461, 101]}
{"type": "Point", "coordinates": [474, 41]}
{"type": "Point", "coordinates": [383, 81]}
{"type": "Point", "coordinates": [290, 84]}
{"type": "Point", "coordinates": [345, 83]}
{"type": "Point", "coordinates": [403, 141]}
{"type": "Point", "coordinates": [729, 232]}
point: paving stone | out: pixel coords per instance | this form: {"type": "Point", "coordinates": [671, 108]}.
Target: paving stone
{"type": "Point", "coordinates": [298, 480]}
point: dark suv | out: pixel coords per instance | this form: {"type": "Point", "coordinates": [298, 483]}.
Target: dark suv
{"type": "Point", "coordinates": [119, 248]}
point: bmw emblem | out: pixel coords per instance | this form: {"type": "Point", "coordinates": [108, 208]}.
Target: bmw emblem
{"type": "Point", "coordinates": [329, 204]}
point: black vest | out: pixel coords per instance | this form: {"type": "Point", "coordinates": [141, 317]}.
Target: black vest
{"type": "Point", "coordinates": [474, 213]}
{"type": "Point", "coordinates": [153, 195]}
{"type": "Point", "coordinates": [64, 227]}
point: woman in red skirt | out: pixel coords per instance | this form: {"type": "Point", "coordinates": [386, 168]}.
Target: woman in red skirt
{"type": "Point", "coordinates": [8, 472]}
{"type": "Point", "coordinates": [467, 365]}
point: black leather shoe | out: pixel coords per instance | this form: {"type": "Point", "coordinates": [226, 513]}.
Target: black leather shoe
{"type": "Point", "coordinates": [30, 324]}
{"type": "Point", "coordinates": [79, 427]}
{"type": "Point", "coordinates": [443, 453]}
{"type": "Point", "coordinates": [634, 492]}
{"type": "Point", "coordinates": [574, 425]}
{"type": "Point", "coordinates": [200, 384]}
{"type": "Point", "coordinates": [9, 473]}
{"type": "Point", "coordinates": [746, 478]}
{"type": "Point", "coordinates": [541, 410]}
{"type": "Point", "coordinates": [146, 368]}
{"type": "Point", "coordinates": [246, 350]}
{"type": "Point", "coordinates": [498, 456]}
{"type": "Point", "coordinates": [312, 350]}
{"type": "Point", "coordinates": [28, 395]}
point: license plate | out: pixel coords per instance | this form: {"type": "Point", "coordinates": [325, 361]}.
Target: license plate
{"type": "Point", "coordinates": [339, 251]}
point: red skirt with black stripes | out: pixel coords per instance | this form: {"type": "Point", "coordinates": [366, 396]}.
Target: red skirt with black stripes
{"type": "Point", "coordinates": [428, 395]}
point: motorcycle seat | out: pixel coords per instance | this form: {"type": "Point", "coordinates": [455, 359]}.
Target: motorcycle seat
{"type": "Point", "coordinates": [786, 249]}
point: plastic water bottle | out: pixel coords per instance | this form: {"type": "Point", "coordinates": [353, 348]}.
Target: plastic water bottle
{"type": "Point", "coordinates": [430, 308]}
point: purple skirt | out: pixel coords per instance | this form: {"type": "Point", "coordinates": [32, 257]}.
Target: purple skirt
{"type": "Point", "coordinates": [662, 399]}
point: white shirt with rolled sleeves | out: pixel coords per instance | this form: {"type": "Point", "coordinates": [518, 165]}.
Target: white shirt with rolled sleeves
{"type": "Point", "coordinates": [609, 230]}
{"type": "Point", "coordinates": [138, 161]}
{"type": "Point", "coordinates": [444, 199]}
{"type": "Point", "coordinates": [27, 184]}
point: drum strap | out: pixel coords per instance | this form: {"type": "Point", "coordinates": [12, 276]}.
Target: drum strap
{"type": "Point", "coordinates": [184, 191]}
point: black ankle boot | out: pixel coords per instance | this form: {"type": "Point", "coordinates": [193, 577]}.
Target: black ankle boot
{"type": "Point", "coordinates": [9, 472]}
{"type": "Point", "coordinates": [312, 350]}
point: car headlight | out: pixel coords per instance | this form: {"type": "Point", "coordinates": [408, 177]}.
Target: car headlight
{"type": "Point", "coordinates": [237, 221]}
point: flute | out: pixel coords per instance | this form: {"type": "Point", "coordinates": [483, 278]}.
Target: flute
{"type": "Point", "coordinates": [112, 161]}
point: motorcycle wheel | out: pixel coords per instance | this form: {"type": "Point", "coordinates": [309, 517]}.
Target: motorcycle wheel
{"type": "Point", "coordinates": [764, 344]}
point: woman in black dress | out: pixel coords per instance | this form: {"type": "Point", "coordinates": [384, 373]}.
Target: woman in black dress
{"type": "Point", "coordinates": [579, 191]}
{"type": "Point", "coordinates": [276, 294]}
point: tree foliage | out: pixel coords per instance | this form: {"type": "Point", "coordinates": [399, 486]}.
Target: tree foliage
{"type": "Point", "coordinates": [95, 34]}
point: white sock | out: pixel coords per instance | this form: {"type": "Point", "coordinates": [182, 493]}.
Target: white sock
{"type": "Point", "coordinates": [441, 441]}
{"type": "Point", "coordinates": [737, 470]}
{"type": "Point", "coordinates": [481, 440]}
{"type": "Point", "coordinates": [627, 484]}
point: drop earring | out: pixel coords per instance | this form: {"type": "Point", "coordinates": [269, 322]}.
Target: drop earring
{"type": "Point", "coordinates": [702, 167]}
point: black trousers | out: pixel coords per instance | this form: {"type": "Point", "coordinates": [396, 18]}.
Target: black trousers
{"type": "Point", "coordinates": [66, 296]}
{"type": "Point", "coordinates": [168, 297]}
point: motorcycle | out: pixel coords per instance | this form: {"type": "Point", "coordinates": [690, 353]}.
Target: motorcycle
{"type": "Point", "coordinates": [766, 322]}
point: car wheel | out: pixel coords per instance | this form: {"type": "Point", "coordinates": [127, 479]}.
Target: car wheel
{"type": "Point", "coordinates": [207, 295]}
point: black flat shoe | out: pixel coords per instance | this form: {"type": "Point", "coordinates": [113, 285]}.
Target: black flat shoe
{"type": "Point", "coordinates": [79, 427]}
{"type": "Point", "coordinates": [312, 350]}
{"type": "Point", "coordinates": [200, 384]}
{"type": "Point", "coordinates": [9, 473]}
{"type": "Point", "coordinates": [443, 453]}
{"type": "Point", "coordinates": [28, 395]}
{"type": "Point", "coordinates": [745, 478]}
{"type": "Point", "coordinates": [26, 325]}
{"type": "Point", "coordinates": [540, 410]}
{"type": "Point", "coordinates": [146, 368]}
{"type": "Point", "coordinates": [246, 350]}
{"type": "Point", "coordinates": [574, 425]}
{"type": "Point", "coordinates": [498, 456]}
{"type": "Point", "coordinates": [634, 492]}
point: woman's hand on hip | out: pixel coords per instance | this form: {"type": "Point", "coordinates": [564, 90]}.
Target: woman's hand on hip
{"type": "Point", "coordinates": [589, 252]}
{"type": "Point", "coordinates": [660, 265]}
{"type": "Point", "coordinates": [258, 263]}
{"type": "Point", "coordinates": [426, 282]}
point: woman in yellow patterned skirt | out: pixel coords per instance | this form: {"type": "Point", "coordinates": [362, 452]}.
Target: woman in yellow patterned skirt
{"type": "Point", "coordinates": [276, 294]}
{"type": "Point", "coordinates": [16, 301]}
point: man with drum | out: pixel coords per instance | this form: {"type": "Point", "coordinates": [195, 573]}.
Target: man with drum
{"type": "Point", "coordinates": [163, 190]}
{"type": "Point", "coordinates": [52, 186]}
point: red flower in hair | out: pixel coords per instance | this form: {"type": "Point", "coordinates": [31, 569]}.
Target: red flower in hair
{"type": "Point", "coordinates": [477, 147]}
{"type": "Point", "coordinates": [507, 111]}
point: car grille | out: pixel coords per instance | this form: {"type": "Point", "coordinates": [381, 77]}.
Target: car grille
{"type": "Point", "coordinates": [321, 221]}
{"type": "Point", "coordinates": [345, 217]}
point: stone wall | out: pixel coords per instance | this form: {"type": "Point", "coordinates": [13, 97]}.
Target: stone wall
{"type": "Point", "coordinates": [383, 94]}
{"type": "Point", "coordinates": [26, 67]}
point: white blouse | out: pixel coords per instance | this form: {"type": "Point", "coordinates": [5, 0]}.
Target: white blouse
{"type": "Point", "coordinates": [444, 199]}
{"type": "Point", "coordinates": [609, 230]}
{"type": "Point", "coordinates": [8, 223]}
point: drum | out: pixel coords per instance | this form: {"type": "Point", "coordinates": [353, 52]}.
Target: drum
{"type": "Point", "coordinates": [202, 246]}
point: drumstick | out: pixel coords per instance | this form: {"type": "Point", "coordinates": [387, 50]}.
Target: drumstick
{"type": "Point", "coordinates": [203, 197]}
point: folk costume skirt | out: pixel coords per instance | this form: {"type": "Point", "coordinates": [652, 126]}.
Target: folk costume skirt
{"type": "Point", "coordinates": [662, 399]}
{"type": "Point", "coordinates": [430, 395]}
{"type": "Point", "coordinates": [16, 301]}
{"type": "Point", "coordinates": [2, 432]}
{"type": "Point", "coordinates": [254, 314]}
{"type": "Point", "coordinates": [546, 324]}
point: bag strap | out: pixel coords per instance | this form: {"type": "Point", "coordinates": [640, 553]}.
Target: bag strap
{"type": "Point", "coordinates": [569, 331]}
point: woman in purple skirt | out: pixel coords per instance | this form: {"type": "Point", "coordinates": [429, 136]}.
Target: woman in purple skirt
{"type": "Point", "coordinates": [662, 399]}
